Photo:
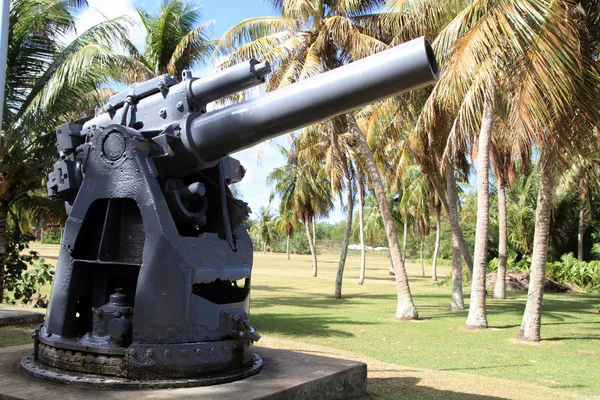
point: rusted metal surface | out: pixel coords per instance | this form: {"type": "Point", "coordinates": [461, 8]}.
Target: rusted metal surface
{"type": "Point", "coordinates": [82, 362]}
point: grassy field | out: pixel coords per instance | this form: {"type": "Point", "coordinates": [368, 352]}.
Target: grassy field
{"type": "Point", "coordinates": [434, 357]}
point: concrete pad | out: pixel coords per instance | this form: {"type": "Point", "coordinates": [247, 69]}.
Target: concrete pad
{"type": "Point", "coordinates": [10, 316]}
{"type": "Point", "coordinates": [286, 375]}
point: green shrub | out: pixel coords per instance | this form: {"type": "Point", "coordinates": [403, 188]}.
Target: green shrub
{"type": "Point", "coordinates": [586, 275]}
{"type": "Point", "coordinates": [521, 266]}
{"type": "Point", "coordinates": [25, 271]}
{"type": "Point", "coordinates": [51, 237]}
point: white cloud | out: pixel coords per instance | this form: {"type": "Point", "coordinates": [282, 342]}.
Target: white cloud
{"type": "Point", "coordinates": [101, 10]}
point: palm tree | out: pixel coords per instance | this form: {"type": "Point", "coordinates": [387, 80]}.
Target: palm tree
{"type": "Point", "coordinates": [549, 92]}
{"type": "Point", "coordinates": [173, 41]}
{"type": "Point", "coordinates": [436, 206]}
{"type": "Point", "coordinates": [47, 83]}
{"type": "Point", "coordinates": [303, 188]}
{"type": "Point", "coordinates": [311, 37]}
{"type": "Point", "coordinates": [360, 194]}
{"type": "Point", "coordinates": [265, 228]}
{"type": "Point", "coordinates": [477, 312]}
{"type": "Point", "coordinates": [503, 159]}
{"type": "Point", "coordinates": [286, 223]}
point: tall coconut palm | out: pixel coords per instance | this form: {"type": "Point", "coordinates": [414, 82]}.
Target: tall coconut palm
{"type": "Point", "coordinates": [414, 205]}
{"type": "Point", "coordinates": [436, 206]}
{"type": "Point", "coordinates": [503, 159]}
{"type": "Point", "coordinates": [265, 228]}
{"type": "Point", "coordinates": [174, 40]}
{"type": "Point", "coordinates": [360, 194]}
{"type": "Point", "coordinates": [48, 82]}
{"type": "Point", "coordinates": [553, 81]}
{"type": "Point", "coordinates": [286, 223]}
{"type": "Point", "coordinates": [477, 312]}
{"type": "Point", "coordinates": [302, 188]}
{"type": "Point", "coordinates": [326, 143]}
{"type": "Point", "coordinates": [311, 37]}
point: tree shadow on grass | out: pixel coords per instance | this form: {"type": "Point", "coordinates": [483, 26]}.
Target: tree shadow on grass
{"type": "Point", "coordinates": [293, 325]}
{"type": "Point", "coordinates": [271, 288]}
{"type": "Point", "coordinates": [295, 300]}
{"type": "Point", "coordinates": [486, 367]}
{"type": "Point", "coordinates": [409, 388]}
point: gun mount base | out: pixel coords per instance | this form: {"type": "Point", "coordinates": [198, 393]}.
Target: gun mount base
{"type": "Point", "coordinates": [83, 379]}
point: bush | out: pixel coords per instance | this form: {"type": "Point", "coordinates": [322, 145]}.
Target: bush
{"type": "Point", "coordinates": [51, 237]}
{"type": "Point", "coordinates": [586, 275]}
{"type": "Point", "coordinates": [25, 272]}
{"type": "Point", "coordinates": [523, 266]}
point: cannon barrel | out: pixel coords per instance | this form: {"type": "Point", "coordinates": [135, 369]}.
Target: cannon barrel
{"type": "Point", "coordinates": [238, 126]}
{"type": "Point", "coordinates": [229, 81]}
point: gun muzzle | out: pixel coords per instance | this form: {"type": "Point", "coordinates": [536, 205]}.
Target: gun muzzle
{"type": "Point", "coordinates": [238, 126]}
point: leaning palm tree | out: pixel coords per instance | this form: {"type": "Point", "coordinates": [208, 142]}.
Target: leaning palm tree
{"type": "Point", "coordinates": [311, 37]}
{"type": "Point", "coordinates": [174, 40]}
{"type": "Point", "coordinates": [46, 83]}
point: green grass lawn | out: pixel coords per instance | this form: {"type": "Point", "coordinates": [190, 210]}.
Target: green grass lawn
{"type": "Point", "coordinates": [287, 304]}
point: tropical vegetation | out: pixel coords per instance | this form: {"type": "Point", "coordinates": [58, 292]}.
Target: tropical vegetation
{"type": "Point", "coordinates": [497, 161]}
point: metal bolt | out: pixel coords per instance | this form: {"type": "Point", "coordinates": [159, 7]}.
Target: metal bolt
{"type": "Point", "coordinates": [163, 112]}
{"type": "Point", "coordinates": [131, 352]}
{"type": "Point", "coordinates": [179, 105]}
{"type": "Point", "coordinates": [212, 350]}
{"type": "Point", "coordinates": [150, 353]}
{"type": "Point", "coordinates": [198, 351]}
{"type": "Point", "coordinates": [167, 353]}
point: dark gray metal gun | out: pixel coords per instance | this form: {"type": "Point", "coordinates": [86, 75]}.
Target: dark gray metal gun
{"type": "Point", "coordinates": [153, 279]}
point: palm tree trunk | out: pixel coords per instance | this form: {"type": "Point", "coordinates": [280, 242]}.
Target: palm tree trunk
{"type": "Point", "coordinates": [500, 286]}
{"type": "Point", "coordinates": [532, 317]}
{"type": "Point", "coordinates": [457, 300]}
{"type": "Point", "coordinates": [436, 249]}
{"type": "Point", "coordinates": [580, 234]}
{"type": "Point", "coordinates": [461, 240]}
{"type": "Point", "coordinates": [405, 308]}
{"type": "Point", "coordinates": [313, 251]}
{"type": "Point", "coordinates": [3, 214]}
{"type": "Point", "coordinates": [404, 239]}
{"type": "Point", "coordinates": [287, 245]}
{"type": "Point", "coordinates": [346, 240]}
{"type": "Point", "coordinates": [583, 198]}
{"type": "Point", "coordinates": [361, 230]}
{"type": "Point", "coordinates": [422, 264]}
{"type": "Point", "coordinates": [466, 253]}
{"type": "Point", "coordinates": [314, 229]}
{"type": "Point", "coordinates": [477, 313]}
{"type": "Point", "coordinates": [264, 247]}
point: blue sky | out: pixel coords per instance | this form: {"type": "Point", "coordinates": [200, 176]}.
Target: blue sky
{"type": "Point", "coordinates": [259, 160]}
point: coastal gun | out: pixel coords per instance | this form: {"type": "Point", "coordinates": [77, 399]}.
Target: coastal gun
{"type": "Point", "coordinates": [152, 283]}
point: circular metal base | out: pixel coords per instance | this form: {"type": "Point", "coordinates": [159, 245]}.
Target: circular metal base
{"type": "Point", "coordinates": [39, 370]}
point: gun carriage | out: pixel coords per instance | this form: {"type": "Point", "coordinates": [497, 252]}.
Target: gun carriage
{"type": "Point", "coordinates": [152, 284]}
